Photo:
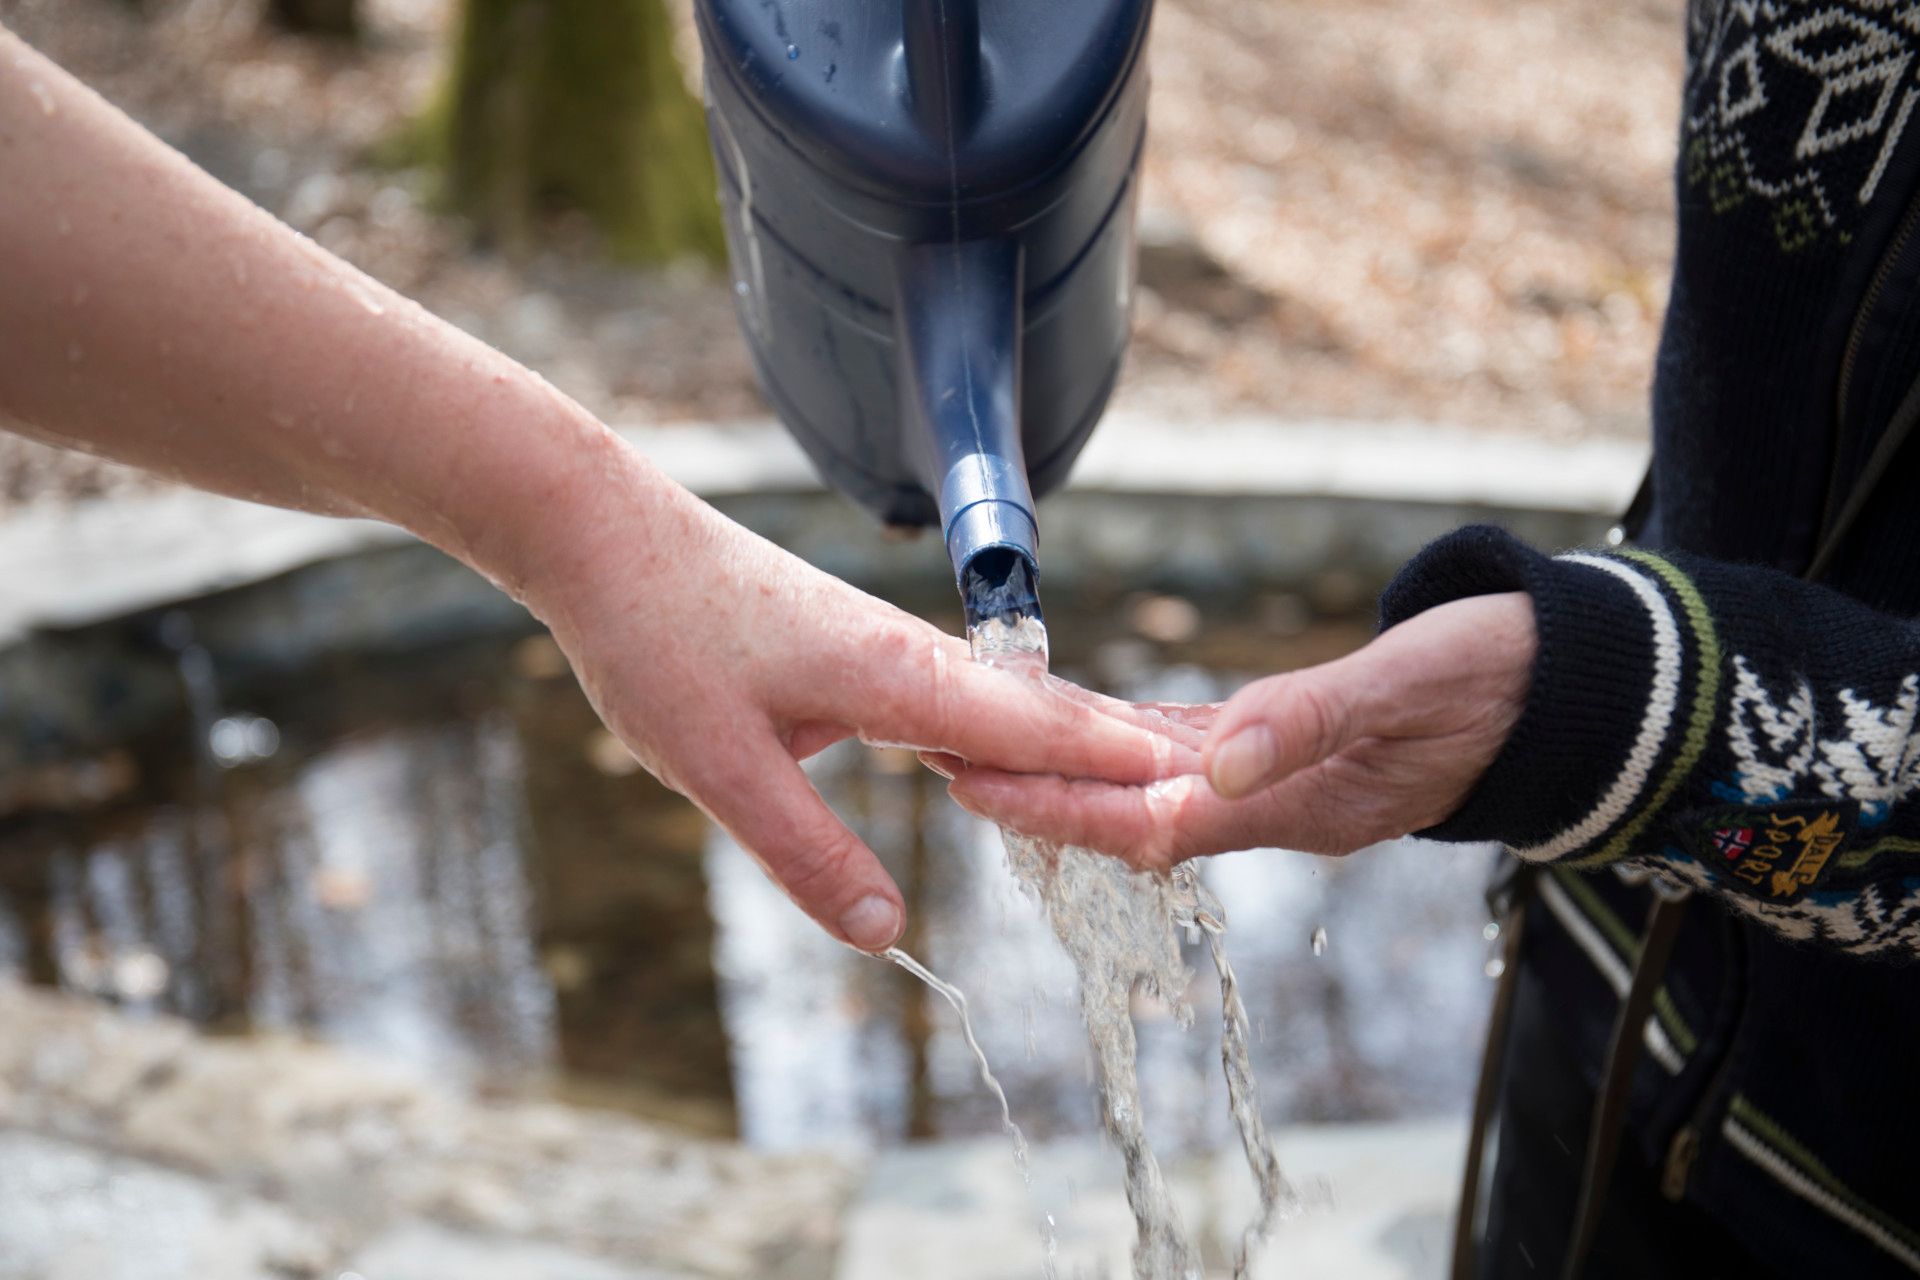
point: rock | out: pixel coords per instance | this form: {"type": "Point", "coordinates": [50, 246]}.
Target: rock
{"type": "Point", "coordinates": [68, 1212]}
{"type": "Point", "coordinates": [293, 1153]}
{"type": "Point", "coordinates": [421, 1251]}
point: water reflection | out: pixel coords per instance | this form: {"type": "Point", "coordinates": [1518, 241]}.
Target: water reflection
{"type": "Point", "coordinates": [447, 863]}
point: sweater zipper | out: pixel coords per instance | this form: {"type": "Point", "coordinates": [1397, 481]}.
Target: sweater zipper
{"type": "Point", "coordinates": [1683, 1149]}
{"type": "Point", "coordinates": [1857, 336]}
{"type": "Point", "coordinates": [1902, 255]}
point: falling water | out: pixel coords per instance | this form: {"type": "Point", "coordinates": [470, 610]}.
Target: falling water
{"type": "Point", "coordinates": [1119, 927]}
{"type": "Point", "coordinates": [955, 997]}
{"type": "Point", "coordinates": [1049, 1241]}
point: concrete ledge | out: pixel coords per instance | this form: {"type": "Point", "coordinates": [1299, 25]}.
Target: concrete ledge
{"type": "Point", "coordinates": [69, 567]}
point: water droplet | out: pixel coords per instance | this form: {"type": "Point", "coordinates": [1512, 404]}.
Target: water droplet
{"type": "Point", "coordinates": [1496, 967]}
{"type": "Point", "coordinates": [43, 96]}
{"type": "Point", "coordinates": [64, 226]}
{"type": "Point", "coordinates": [740, 289]}
{"type": "Point", "coordinates": [239, 271]}
{"type": "Point", "coordinates": [793, 52]}
{"type": "Point", "coordinates": [1492, 932]}
{"type": "Point", "coordinates": [236, 740]}
{"type": "Point", "coordinates": [282, 418]}
{"type": "Point", "coordinates": [368, 302]}
{"type": "Point", "coordinates": [1319, 940]}
{"type": "Point", "coordinates": [74, 354]}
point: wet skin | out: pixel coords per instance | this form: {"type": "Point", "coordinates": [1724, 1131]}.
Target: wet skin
{"type": "Point", "coordinates": [1330, 759]}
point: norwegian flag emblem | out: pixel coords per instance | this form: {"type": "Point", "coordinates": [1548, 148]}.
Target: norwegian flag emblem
{"type": "Point", "coordinates": [1733, 841]}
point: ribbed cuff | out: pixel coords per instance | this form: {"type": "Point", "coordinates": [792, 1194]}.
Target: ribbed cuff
{"type": "Point", "coordinates": [1599, 716]}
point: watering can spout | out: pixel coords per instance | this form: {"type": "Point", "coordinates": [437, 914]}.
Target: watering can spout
{"type": "Point", "coordinates": [958, 345]}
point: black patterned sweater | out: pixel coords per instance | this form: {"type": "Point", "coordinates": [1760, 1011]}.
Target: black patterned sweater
{"type": "Point", "coordinates": [1749, 735]}
{"type": "Point", "coordinates": [1699, 711]}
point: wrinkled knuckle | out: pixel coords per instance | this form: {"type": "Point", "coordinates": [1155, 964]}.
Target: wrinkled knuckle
{"type": "Point", "coordinates": [819, 869]}
{"type": "Point", "coordinates": [1319, 716]}
{"type": "Point", "coordinates": [894, 642]}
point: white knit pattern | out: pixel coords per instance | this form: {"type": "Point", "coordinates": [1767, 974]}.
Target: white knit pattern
{"type": "Point", "coordinates": [1834, 76]}
{"type": "Point", "coordinates": [1883, 918]}
{"type": "Point", "coordinates": [1774, 743]}
{"type": "Point", "coordinates": [1778, 747]}
{"type": "Point", "coordinates": [1663, 695]}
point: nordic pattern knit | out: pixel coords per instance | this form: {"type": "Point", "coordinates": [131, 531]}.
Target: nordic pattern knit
{"type": "Point", "coordinates": [1749, 735]}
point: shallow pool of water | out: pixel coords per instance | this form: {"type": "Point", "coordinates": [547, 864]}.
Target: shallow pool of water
{"type": "Point", "coordinates": [444, 860]}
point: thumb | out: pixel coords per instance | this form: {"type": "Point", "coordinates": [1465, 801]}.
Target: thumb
{"type": "Point", "coordinates": [1277, 727]}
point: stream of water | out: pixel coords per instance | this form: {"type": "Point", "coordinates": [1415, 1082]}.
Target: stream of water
{"type": "Point", "coordinates": [1121, 930]}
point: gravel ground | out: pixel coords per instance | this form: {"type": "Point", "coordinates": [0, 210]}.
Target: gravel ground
{"type": "Point", "coordinates": [1445, 210]}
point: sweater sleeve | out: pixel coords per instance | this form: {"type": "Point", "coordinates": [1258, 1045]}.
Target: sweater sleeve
{"type": "Point", "coordinates": [1751, 735]}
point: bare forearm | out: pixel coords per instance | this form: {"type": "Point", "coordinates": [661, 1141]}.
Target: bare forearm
{"type": "Point", "coordinates": [150, 314]}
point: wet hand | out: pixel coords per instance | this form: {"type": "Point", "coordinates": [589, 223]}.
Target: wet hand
{"type": "Point", "coordinates": [1330, 759]}
{"type": "Point", "coordinates": [722, 661]}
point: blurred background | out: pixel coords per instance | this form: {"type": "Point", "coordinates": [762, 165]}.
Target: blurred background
{"type": "Point", "coordinates": [337, 939]}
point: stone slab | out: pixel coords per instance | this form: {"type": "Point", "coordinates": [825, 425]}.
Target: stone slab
{"type": "Point", "coordinates": [1380, 1199]}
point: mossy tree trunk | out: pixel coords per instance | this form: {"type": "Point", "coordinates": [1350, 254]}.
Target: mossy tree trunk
{"type": "Point", "coordinates": [316, 17]}
{"type": "Point", "coordinates": [560, 105]}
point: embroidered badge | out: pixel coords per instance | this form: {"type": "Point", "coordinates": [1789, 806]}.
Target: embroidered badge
{"type": "Point", "coordinates": [1777, 852]}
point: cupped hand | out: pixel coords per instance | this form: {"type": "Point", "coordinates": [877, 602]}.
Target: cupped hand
{"type": "Point", "coordinates": [722, 661]}
{"type": "Point", "coordinates": [1387, 740]}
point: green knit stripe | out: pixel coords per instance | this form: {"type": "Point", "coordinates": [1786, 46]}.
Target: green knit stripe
{"type": "Point", "coordinates": [1741, 1109]}
{"type": "Point", "coordinates": [1627, 943]}
{"type": "Point", "coordinates": [1858, 858]}
{"type": "Point", "coordinates": [1706, 698]}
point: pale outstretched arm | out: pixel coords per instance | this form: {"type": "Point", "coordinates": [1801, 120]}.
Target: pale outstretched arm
{"type": "Point", "coordinates": [151, 315]}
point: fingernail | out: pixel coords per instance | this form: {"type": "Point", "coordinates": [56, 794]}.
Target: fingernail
{"type": "Point", "coordinates": [937, 762]}
{"type": "Point", "coordinates": [871, 924]}
{"type": "Point", "coordinates": [968, 805]}
{"type": "Point", "coordinates": [1243, 762]}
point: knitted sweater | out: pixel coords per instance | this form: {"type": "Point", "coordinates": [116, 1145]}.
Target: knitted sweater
{"type": "Point", "coordinates": [1748, 735]}
{"type": "Point", "coordinates": [1699, 712]}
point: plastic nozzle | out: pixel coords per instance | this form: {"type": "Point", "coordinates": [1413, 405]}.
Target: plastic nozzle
{"type": "Point", "coordinates": [958, 332]}
{"type": "Point", "coordinates": [999, 585]}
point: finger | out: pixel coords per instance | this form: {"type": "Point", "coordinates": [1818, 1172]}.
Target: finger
{"type": "Point", "coordinates": [759, 794]}
{"type": "Point", "coordinates": [1283, 724]}
{"type": "Point", "coordinates": [913, 690]}
{"type": "Point", "coordinates": [1185, 723]}
{"type": "Point", "coordinates": [1345, 803]}
{"type": "Point", "coordinates": [1151, 827]}
{"type": "Point", "coordinates": [944, 763]}
{"type": "Point", "coordinates": [804, 741]}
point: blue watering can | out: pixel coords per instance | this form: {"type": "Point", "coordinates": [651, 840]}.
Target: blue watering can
{"type": "Point", "coordinates": [930, 219]}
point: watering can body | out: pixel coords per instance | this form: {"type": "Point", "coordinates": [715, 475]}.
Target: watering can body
{"type": "Point", "coordinates": [929, 210]}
